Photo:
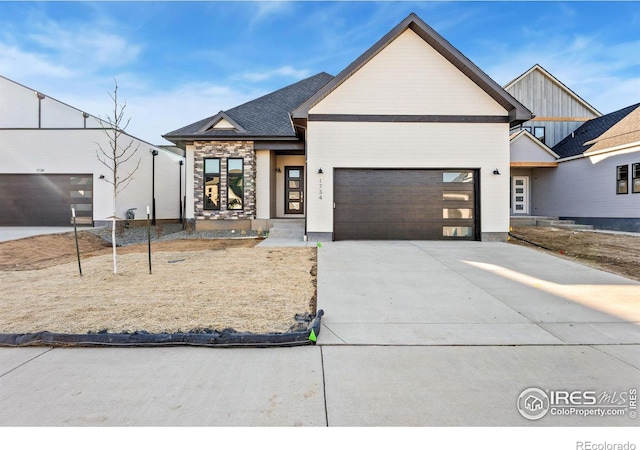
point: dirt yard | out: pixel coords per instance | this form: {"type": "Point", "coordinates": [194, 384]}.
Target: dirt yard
{"type": "Point", "coordinates": [206, 284]}
{"type": "Point", "coordinates": [616, 253]}
{"type": "Point", "coordinates": [195, 285]}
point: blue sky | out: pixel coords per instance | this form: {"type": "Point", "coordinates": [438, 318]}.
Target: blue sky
{"type": "Point", "coordinates": [178, 62]}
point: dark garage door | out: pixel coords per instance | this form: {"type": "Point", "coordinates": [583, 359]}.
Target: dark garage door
{"type": "Point", "coordinates": [419, 204]}
{"type": "Point", "coordinates": [45, 200]}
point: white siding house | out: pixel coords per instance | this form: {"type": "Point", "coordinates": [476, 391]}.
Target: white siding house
{"type": "Point", "coordinates": [49, 164]}
{"type": "Point", "coordinates": [410, 141]}
{"type": "Point", "coordinates": [417, 111]}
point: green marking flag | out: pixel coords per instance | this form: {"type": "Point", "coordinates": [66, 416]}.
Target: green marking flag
{"type": "Point", "coordinates": [319, 245]}
{"type": "Point", "coordinates": [312, 336]}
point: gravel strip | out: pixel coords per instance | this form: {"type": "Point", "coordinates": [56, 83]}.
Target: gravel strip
{"type": "Point", "coordinates": [166, 232]}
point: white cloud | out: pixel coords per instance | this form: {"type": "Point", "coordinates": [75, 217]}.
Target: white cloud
{"type": "Point", "coordinates": [21, 65]}
{"type": "Point", "coordinates": [85, 45]}
{"type": "Point", "coordinates": [604, 74]}
{"type": "Point", "coordinates": [156, 113]}
{"type": "Point", "coordinates": [285, 71]}
{"type": "Point", "coordinates": [265, 10]}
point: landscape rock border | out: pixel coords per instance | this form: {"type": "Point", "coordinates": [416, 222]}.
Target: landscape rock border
{"type": "Point", "coordinates": [143, 339]}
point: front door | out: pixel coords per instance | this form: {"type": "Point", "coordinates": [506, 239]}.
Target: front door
{"type": "Point", "coordinates": [294, 190]}
{"type": "Point", "coordinates": [520, 195]}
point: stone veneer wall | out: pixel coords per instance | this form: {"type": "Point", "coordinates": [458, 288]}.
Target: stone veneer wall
{"type": "Point", "coordinates": [224, 150]}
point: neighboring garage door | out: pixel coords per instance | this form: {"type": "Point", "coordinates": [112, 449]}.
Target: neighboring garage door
{"type": "Point", "coordinates": [418, 204]}
{"type": "Point", "coordinates": [45, 200]}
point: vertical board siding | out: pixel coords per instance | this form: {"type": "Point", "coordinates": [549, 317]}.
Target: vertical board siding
{"type": "Point", "coordinates": [546, 98]}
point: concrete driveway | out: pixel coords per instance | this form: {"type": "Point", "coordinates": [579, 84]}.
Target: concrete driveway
{"type": "Point", "coordinates": [414, 334]}
{"type": "Point", "coordinates": [13, 233]}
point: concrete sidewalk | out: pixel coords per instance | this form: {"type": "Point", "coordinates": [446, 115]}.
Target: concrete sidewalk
{"type": "Point", "coordinates": [414, 334]}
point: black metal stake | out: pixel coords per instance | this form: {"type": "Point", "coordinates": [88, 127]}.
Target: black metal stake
{"type": "Point", "coordinates": [75, 230]}
{"type": "Point", "coordinates": [180, 189]}
{"type": "Point", "coordinates": [149, 238]}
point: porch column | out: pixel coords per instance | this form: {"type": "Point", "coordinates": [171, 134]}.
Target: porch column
{"type": "Point", "coordinates": [264, 172]}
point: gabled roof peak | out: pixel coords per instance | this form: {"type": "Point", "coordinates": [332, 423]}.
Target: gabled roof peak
{"type": "Point", "coordinates": [538, 68]}
{"type": "Point", "coordinates": [222, 118]}
{"type": "Point", "coordinates": [518, 113]}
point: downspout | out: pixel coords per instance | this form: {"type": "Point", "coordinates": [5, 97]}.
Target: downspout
{"type": "Point", "coordinates": [180, 190]}
{"type": "Point", "coordinates": [306, 169]}
{"type": "Point", "coordinates": [184, 199]}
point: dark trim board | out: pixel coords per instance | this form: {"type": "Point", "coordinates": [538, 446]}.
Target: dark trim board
{"type": "Point", "coordinates": [406, 118]}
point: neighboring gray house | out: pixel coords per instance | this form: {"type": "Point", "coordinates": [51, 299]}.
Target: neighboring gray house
{"type": "Point", "coordinates": [558, 112]}
{"type": "Point", "coordinates": [410, 141]}
{"type": "Point", "coordinates": [570, 161]}
{"type": "Point", "coordinates": [597, 181]}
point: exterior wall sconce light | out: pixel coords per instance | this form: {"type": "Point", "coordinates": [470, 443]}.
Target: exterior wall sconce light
{"type": "Point", "coordinates": [101, 177]}
{"type": "Point", "coordinates": [320, 171]}
{"type": "Point", "coordinates": [496, 172]}
{"type": "Point", "coordinates": [278, 170]}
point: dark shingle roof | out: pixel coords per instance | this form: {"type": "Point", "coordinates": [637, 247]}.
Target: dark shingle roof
{"type": "Point", "coordinates": [267, 116]}
{"type": "Point", "coordinates": [573, 144]}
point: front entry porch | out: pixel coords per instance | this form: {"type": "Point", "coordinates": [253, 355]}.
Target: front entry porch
{"type": "Point", "coordinates": [280, 185]}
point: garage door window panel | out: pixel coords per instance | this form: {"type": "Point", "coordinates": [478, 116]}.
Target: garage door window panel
{"type": "Point", "coordinates": [454, 232]}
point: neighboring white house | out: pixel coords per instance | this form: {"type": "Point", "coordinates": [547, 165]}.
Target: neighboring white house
{"type": "Point", "coordinates": [410, 141]}
{"type": "Point", "coordinates": [48, 165]}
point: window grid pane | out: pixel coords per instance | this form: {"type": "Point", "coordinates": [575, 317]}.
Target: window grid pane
{"type": "Point", "coordinates": [622, 179]}
{"type": "Point", "coordinates": [212, 183]}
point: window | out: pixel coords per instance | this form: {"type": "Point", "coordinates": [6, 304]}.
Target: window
{"type": "Point", "coordinates": [212, 183]}
{"type": "Point", "coordinates": [538, 133]}
{"type": "Point", "coordinates": [235, 182]}
{"type": "Point", "coordinates": [457, 213]}
{"type": "Point", "coordinates": [635, 175]}
{"type": "Point", "coordinates": [622, 178]}
{"type": "Point", "coordinates": [520, 127]}
{"type": "Point", "coordinates": [464, 232]}
{"type": "Point", "coordinates": [457, 177]}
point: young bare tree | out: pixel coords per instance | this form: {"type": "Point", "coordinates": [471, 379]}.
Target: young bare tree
{"type": "Point", "coordinates": [121, 149]}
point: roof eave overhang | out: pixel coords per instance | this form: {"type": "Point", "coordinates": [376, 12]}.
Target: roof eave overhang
{"type": "Point", "coordinates": [628, 146]}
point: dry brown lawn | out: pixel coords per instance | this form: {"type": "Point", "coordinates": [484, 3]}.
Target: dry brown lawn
{"type": "Point", "coordinates": [615, 253]}
{"type": "Point", "coordinates": [194, 285]}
